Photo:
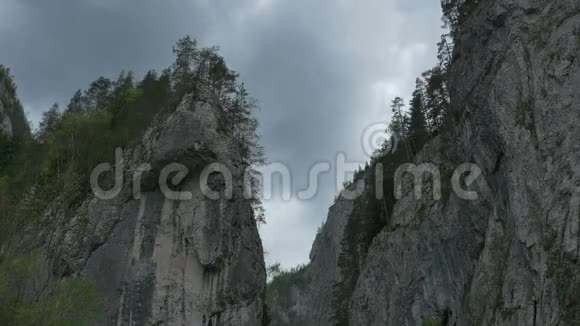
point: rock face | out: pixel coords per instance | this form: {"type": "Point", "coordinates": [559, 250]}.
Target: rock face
{"type": "Point", "coordinates": [324, 259]}
{"type": "Point", "coordinates": [510, 257]}
{"type": "Point", "coordinates": [309, 302]}
{"type": "Point", "coordinates": [161, 261]}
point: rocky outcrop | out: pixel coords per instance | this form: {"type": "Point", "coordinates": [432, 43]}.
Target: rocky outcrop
{"type": "Point", "coordinates": [185, 261]}
{"type": "Point", "coordinates": [510, 257]}
{"type": "Point", "coordinates": [324, 258]}
{"type": "Point", "coordinates": [308, 301]}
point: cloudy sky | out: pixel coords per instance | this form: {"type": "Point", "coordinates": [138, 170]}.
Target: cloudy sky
{"type": "Point", "coordinates": [322, 71]}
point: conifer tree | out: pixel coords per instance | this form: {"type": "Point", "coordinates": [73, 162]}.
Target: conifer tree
{"type": "Point", "coordinates": [98, 95]}
{"type": "Point", "coordinates": [444, 51]}
{"type": "Point", "coordinates": [417, 120]}
{"type": "Point", "coordinates": [397, 126]}
{"type": "Point", "coordinates": [76, 102]}
{"type": "Point", "coordinates": [455, 11]}
{"type": "Point", "coordinates": [50, 120]}
{"type": "Point", "coordinates": [186, 54]}
{"type": "Point", "coordinates": [437, 98]}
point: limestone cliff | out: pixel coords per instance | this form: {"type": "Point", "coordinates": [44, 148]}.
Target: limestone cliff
{"type": "Point", "coordinates": [510, 257]}
{"type": "Point", "coordinates": [158, 261]}
{"type": "Point", "coordinates": [307, 300]}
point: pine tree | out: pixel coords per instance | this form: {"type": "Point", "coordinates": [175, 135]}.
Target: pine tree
{"type": "Point", "coordinates": [417, 120]}
{"type": "Point", "coordinates": [76, 102]}
{"type": "Point", "coordinates": [242, 123]}
{"type": "Point", "coordinates": [98, 95]}
{"type": "Point", "coordinates": [51, 120]}
{"type": "Point", "coordinates": [454, 13]}
{"type": "Point", "coordinates": [221, 78]}
{"type": "Point", "coordinates": [186, 54]}
{"type": "Point", "coordinates": [397, 126]}
{"type": "Point", "coordinates": [444, 52]}
{"type": "Point", "coordinates": [437, 98]}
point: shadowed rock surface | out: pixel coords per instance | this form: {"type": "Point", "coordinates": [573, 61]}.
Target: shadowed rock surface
{"type": "Point", "coordinates": [511, 256]}
{"type": "Point", "coordinates": [157, 261]}
{"type": "Point", "coordinates": [308, 301]}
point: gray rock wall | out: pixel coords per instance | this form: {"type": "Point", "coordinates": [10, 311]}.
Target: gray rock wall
{"type": "Point", "coordinates": [309, 302]}
{"type": "Point", "coordinates": [158, 261]}
{"type": "Point", "coordinates": [323, 270]}
{"type": "Point", "coordinates": [510, 257]}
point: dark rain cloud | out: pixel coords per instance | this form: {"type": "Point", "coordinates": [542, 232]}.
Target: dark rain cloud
{"type": "Point", "coordinates": [321, 70]}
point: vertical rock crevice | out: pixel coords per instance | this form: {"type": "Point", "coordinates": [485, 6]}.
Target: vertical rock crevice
{"type": "Point", "coordinates": [161, 261]}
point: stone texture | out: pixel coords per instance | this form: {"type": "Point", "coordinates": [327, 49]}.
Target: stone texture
{"type": "Point", "coordinates": [323, 271]}
{"type": "Point", "coordinates": [310, 302]}
{"type": "Point", "coordinates": [511, 256]}
{"type": "Point", "coordinates": [157, 261]}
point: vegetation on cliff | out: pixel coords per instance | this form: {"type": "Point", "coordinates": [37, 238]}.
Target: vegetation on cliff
{"type": "Point", "coordinates": [44, 175]}
{"type": "Point", "coordinates": [411, 127]}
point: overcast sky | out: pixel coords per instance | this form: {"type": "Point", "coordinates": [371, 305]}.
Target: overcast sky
{"type": "Point", "coordinates": [322, 71]}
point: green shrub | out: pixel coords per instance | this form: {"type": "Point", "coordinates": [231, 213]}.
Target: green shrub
{"type": "Point", "coordinates": [30, 296]}
{"type": "Point", "coordinates": [431, 322]}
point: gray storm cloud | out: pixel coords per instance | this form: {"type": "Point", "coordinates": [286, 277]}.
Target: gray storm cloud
{"type": "Point", "coordinates": [321, 70]}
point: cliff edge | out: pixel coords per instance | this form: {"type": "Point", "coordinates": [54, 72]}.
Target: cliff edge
{"type": "Point", "coordinates": [509, 257]}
